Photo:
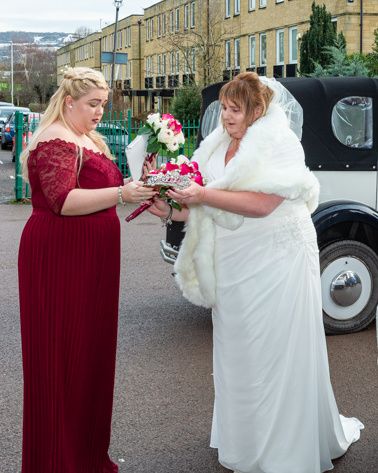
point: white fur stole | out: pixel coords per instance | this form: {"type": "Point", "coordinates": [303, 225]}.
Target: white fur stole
{"type": "Point", "coordinates": [270, 159]}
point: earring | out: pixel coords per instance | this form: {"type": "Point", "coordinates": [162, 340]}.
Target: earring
{"type": "Point", "coordinates": [69, 106]}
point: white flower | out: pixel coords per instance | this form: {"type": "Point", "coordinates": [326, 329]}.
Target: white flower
{"type": "Point", "coordinates": [165, 136]}
{"type": "Point", "coordinates": [180, 138]}
{"type": "Point", "coordinates": [154, 120]}
{"type": "Point", "coordinates": [181, 159]}
{"type": "Point", "coordinates": [174, 146]}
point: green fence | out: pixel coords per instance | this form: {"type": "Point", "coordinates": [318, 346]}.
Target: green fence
{"type": "Point", "coordinates": [118, 129]}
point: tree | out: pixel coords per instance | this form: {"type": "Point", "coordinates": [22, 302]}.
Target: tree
{"type": "Point", "coordinates": [200, 48]}
{"type": "Point", "coordinates": [34, 75]}
{"type": "Point", "coordinates": [339, 63]}
{"type": "Point", "coordinates": [186, 104]}
{"type": "Point", "coordinates": [82, 32]}
{"type": "Point", "coordinates": [372, 58]}
{"type": "Point", "coordinates": [320, 34]}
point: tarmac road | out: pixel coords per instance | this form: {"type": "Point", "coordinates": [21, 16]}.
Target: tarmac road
{"type": "Point", "coordinates": [163, 395]}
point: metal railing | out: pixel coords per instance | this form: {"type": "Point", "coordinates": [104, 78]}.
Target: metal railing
{"type": "Point", "coordinates": [118, 130]}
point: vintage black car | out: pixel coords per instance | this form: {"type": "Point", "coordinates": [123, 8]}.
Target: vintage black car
{"type": "Point", "coordinates": [340, 139]}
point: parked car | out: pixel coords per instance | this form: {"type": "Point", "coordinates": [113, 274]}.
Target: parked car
{"type": "Point", "coordinates": [31, 121]}
{"type": "Point", "coordinates": [8, 126]}
{"type": "Point", "coordinates": [340, 133]}
{"type": "Point", "coordinates": [5, 113]}
{"type": "Point", "coordinates": [6, 104]}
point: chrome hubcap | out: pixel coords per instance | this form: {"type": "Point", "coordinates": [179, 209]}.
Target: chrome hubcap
{"type": "Point", "coordinates": [346, 288]}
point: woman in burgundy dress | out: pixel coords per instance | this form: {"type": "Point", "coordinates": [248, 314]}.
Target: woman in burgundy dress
{"type": "Point", "coordinates": [69, 266]}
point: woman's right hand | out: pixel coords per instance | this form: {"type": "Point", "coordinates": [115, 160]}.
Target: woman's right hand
{"type": "Point", "coordinates": [136, 192]}
{"type": "Point", "coordinates": [160, 208]}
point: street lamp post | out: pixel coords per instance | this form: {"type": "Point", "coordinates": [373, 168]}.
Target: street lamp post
{"type": "Point", "coordinates": [12, 94]}
{"type": "Point", "coordinates": [117, 4]}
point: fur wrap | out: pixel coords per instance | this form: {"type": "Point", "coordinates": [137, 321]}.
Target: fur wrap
{"type": "Point", "coordinates": [270, 159]}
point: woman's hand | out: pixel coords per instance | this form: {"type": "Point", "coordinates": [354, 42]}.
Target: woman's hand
{"type": "Point", "coordinates": [147, 167]}
{"type": "Point", "coordinates": [136, 192]}
{"type": "Point", "coordinates": [160, 208]}
{"type": "Point", "coordinates": [194, 194]}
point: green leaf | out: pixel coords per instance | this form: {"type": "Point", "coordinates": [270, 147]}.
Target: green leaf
{"type": "Point", "coordinates": [153, 147]}
{"type": "Point", "coordinates": [175, 205]}
{"type": "Point", "coordinates": [145, 130]}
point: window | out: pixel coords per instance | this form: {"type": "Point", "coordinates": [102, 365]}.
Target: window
{"type": "Point", "coordinates": [159, 64]}
{"type": "Point", "coordinates": [163, 26]}
{"type": "Point", "coordinates": [228, 54]}
{"type": "Point", "coordinates": [192, 14]}
{"type": "Point", "coordinates": [151, 28]}
{"type": "Point", "coordinates": [148, 66]}
{"type": "Point", "coordinates": [237, 7]}
{"type": "Point", "coordinates": [177, 62]}
{"type": "Point", "coordinates": [263, 49]}
{"type": "Point", "coordinates": [352, 122]}
{"type": "Point", "coordinates": [186, 61]}
{"type": "Point", "coordinates": [172, 21]}
{"type": "Point", "coordinates": [177, 23]}
{"type": "Point", "coordinates": [251, 5]}
{"type": "Point", "coordinates": [159, 26]}
{"type": "Point", "coordinates": [252, 50]}
{"type": "Point", "coordinates": [186, 16]}
{"type": "Point", "coordinates": [172, 61]}
{"type": "Point", "coordinates": [193, 60]}
{"type": "Point", "coordinates": [237, 53]}
{"type": "Point", "coordinates": [164, 64]}
{"type": "Point", "coordinates": [293, 45]}
{"type": "Point", "coordinates": [262, 3]}
{"type": "Point", "coordinates": [279, 1]}
{"type": "Point", "coordinates": [280, 47]}
{"type": "Point", "coordinates": [228, 8]}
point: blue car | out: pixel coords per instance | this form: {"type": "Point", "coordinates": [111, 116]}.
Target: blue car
{"type": "Point", "coordinates": [7, 115]}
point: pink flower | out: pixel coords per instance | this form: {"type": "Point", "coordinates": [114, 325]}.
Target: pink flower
{"type": "Point", "coordinates": [198, 178]}
{"type": "Point", "coordinates": [171, 167]}
{"type": "Point", "coordinates": [194, 165]}
{"type": "Point", "coordinates": [167, 116]}
{"type": "Point", "coordinates": [175, 126]}
{"type": "Point", "coordinates": [185, 169]}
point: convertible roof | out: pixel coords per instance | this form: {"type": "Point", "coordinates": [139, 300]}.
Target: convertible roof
{"type": "Point", "coordinates": [318, 96]}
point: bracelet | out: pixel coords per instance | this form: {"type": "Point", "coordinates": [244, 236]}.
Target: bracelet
{"type": "Point", "coordinates": [168, 219]}
{"type": "Point", "coordinates": [120, 198]}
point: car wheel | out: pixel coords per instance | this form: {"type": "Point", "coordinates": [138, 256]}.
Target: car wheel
{"type": "Point", "coordinates": [349, 278]}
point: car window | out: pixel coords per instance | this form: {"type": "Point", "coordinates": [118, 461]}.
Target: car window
{"type": "Point", "coordinates": [352, 122]}
{"type": "Point", "coordinates": [210, 119]}
{"type": "Point", "coordinates": [5, 113]}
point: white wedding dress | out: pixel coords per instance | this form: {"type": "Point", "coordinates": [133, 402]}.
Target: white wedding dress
{"type": "Point", "coordinates": [274, 410]}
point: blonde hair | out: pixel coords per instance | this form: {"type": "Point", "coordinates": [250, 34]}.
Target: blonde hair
{"type": "Point", "coordinates": [247, 92]}
{"type": "Point", "coordinates": [77, 82]}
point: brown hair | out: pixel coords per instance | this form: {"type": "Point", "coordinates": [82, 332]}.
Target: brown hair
{"type": "Point", "coordinates": [247, 92]}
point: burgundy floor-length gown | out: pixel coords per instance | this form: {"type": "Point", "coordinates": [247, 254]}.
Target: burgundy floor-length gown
{"type": "Point", "coordinates": [69, 271]}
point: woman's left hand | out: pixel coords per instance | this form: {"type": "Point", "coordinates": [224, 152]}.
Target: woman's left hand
{"type": "Point", "coordinates": [194, 194]}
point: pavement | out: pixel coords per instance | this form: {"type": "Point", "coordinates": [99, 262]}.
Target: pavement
{"type": "Point", "coordinates": [163, 393]}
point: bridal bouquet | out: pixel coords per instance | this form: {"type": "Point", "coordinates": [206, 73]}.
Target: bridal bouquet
{"type": "Point", "coordinates": [164, 133]}
{"type": "Point", "coordinates": [177, 173]}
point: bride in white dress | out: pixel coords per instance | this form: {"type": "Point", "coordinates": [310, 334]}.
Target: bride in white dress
{"type": "Point", "coordinates": [250, 252]}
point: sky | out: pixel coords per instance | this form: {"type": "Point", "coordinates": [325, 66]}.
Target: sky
{"type": "Point", "coordinates": [66, 15]}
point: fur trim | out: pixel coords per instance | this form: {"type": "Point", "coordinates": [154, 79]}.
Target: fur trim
{"type": "Point", "coordinates": [270, 159]}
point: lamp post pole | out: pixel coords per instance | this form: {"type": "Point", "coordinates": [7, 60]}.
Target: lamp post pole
{"type": "Point", "coordinates": [117, 4]}
{"type": "Point", "coordinates": [12, 94]}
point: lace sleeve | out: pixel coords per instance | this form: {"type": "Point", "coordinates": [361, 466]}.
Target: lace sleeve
{"type": "Point", "coordinates": [56, 166]}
